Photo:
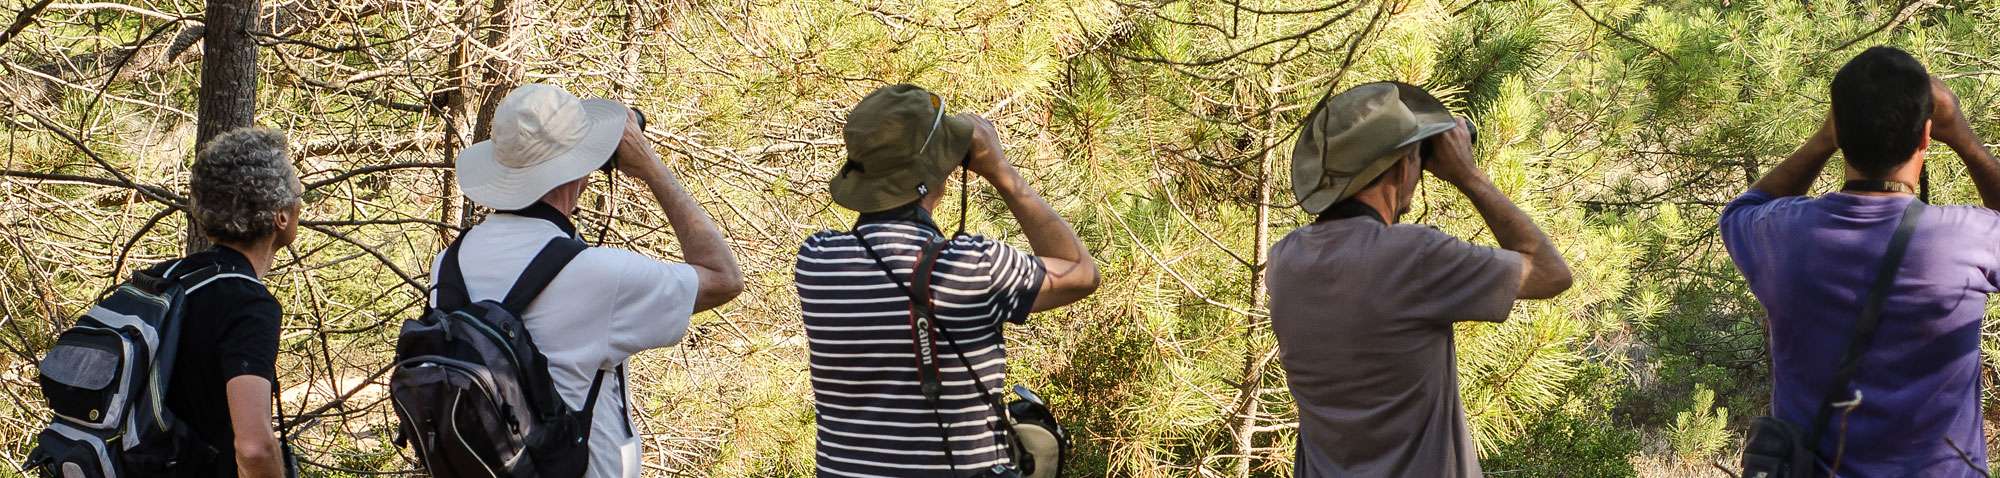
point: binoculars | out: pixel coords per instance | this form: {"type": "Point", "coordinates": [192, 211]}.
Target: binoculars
{"type": "Point", "coordinates": [611, 163]}
{"type": "Point", "coordinates": [1429, 148]}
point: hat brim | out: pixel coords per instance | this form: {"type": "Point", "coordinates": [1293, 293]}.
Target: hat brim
{"type": "Point", "coordinates": [488, 183]}
{"type": "Point", "coordinates": [1340, 189]}
{"type": "Point", "coordinates": [1427, 130]}
{"type": "Point", "coordinates": [864, 192]}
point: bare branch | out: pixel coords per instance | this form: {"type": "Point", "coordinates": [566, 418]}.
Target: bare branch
{"type": "Point", "coordinates": [22, 21]}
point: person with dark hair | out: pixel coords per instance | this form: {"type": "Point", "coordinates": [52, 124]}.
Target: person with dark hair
{"type": "Point", "coordinates": [1908, 401]}
{"type": "Point", "coordinates": [245, 199]}
{"type": "Point", "coordinates": [1886, 93]}
{"type": "Point", "coordinates": [1363, 303]}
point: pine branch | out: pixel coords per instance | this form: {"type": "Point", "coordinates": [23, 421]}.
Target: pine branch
{"type": "Point", "coordinates": [1909, 9]}
{"type": "Point", "coordinates": [1621, 33]}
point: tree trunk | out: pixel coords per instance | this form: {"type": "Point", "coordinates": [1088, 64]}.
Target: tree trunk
{"type": "Point", "coordinates": [457, 123]}
{"type": "Point", "coordinates": [469, 105]}
{"type": "Point", "coordinates": [1256, 359]}
{"type": "Point", "coordinates": [228, 93]}
{"type": "Point", "coordinates": [500, 73]}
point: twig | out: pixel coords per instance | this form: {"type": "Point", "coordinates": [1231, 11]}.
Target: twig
{"type": "Point", "coordinates": [156, 193]}
{"type": "Point", "coordinates": [113, 6]}
{"type": "Point", "coordinates": [345, 175]}
{"type": "Point", "coordinates": [21, 21]}
{"type": "Point", "coordinates": [1621, 33]}
{"type": "Point", "coordinates": [119, 264]}
{"type": "Point", "coordinates": [1909, 9]}
{"type": "Point", "coordinates": [386, 262]}
{"type": "Point", "coordinates": [1964, 458]}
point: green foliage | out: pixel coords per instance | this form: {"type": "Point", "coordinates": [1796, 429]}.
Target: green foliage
{"type": "Point", "coordinates": [1562, 444]}
{"type": "Point", "coordinates": [1699, 433]}
{"type": "Point", "coordinates": [1575, 438]}
{"type": "Point", "coordinates": [1160, 129]}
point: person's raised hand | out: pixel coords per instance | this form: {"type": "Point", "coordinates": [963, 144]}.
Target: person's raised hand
{"type": "Point", "coordinates": [986, 158]}
{"type": "Point", "coordinates": [1452, 160]}
{"type": "Point", "coordinates": [1827, 137]}
{"type": "Point", "coordinates": [635, 153]}
{"type": "Point", "coordinates": [1947, 122]}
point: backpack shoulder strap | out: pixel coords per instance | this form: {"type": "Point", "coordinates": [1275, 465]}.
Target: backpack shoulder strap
{"type": "Point", "coordinates": [1871, 317]}
{"type": "Point", "coordinates": [588, 417]}
{"type": "Point", "coordinates": [450, 286]}
{"type": "Point", "coordinates": [192, 279]}
{"type": "Point", "coordinates": [542, 270]}
{"type": "Point", "coordinates": [202, 278]}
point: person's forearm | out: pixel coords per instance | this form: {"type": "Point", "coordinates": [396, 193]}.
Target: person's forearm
{"type": "Point", "coordinates": [259, 459]}
{"type": "Point", "coordinates": [1980, 165]}
{"type": "Point", "coordinates": [1794, 176]}
{"type": "Point", "coordinates": [1048, 234]}
{"type": "Point", "coordinates": [702, 244]}
{"type": "Point", "coordinates": [1547, 273]}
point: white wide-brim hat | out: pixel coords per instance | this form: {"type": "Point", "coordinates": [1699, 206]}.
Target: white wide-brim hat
{"type": "Point", "coordinates": [543, 137]}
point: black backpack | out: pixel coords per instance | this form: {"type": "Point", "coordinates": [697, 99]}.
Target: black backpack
{"type": "Point", "coordinates": [106, 381]}
{"type": "Point", "coordinates": [473, 392]}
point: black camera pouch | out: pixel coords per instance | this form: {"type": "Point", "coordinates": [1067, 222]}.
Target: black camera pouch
{"type": "Point", "coordinates": [1776, 449]}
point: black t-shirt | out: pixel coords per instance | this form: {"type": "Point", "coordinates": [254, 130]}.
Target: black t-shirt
{"type": "Point", "coordinates": [229, 329]}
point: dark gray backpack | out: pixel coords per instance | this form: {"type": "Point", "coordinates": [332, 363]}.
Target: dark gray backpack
{"type": "Point", "coordinates": [474, 393]}
{"type": "Point", "coordinates": [106, 380]}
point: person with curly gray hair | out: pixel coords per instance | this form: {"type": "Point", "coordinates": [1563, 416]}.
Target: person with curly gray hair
{"type": "Point", "coordinates": [243, 183]}
{"type": "Point", "coordinates": [246, 199]}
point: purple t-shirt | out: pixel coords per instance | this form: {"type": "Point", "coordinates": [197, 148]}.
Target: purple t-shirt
{"type": "Point", "coordinates": [1810, 262]}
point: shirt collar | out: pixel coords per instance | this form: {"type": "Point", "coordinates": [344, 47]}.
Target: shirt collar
{"type": "Point", "coordinates": [909, 213]}
{"type": "Point", "coordinates": [230, 257]}
{"type": "Point", "coordinates": [1350, 208]}
{"type": "Point", "coordinates": [542, 210]}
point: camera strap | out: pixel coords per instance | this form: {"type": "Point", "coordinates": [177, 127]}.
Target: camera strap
{"type": "Point", "coordinates": [923, 333]}
{"type": "Point", "coordinates": [1876, 186]}
{"type": "Point", "coordinates": [1871, 316]}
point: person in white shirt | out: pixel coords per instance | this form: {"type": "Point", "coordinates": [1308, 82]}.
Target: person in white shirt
{"type": "Point", "coordinates": [607, 304]}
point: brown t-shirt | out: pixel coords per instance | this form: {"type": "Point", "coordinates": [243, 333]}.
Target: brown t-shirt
{"type": "Point", "coordinates": [1363, 314]}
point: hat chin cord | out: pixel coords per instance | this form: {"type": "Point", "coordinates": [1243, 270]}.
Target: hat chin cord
{"type": "Point", "coordinates": [964, 193]}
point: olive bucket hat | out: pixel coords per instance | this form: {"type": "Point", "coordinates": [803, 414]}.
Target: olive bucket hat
{"type": "Point", "coordinates": [900, 146]}
{"type": "Point", "coordinates": [1352, 137]}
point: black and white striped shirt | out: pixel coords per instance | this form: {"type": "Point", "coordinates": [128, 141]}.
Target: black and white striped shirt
{"type": "Point", "coordinates": [872, 416]}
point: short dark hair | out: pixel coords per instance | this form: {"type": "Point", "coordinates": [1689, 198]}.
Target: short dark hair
{"type": "Point", "coordinates": [1881, 100]}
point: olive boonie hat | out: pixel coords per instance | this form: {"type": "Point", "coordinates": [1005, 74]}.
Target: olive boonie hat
{"type": "Point", "coordinates": [1350, 139]}
{"type": "Point", "coordinates": [900, 146]}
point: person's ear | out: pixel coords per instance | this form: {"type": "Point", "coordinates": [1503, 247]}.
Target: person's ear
{"type": "Point", "coordinates": [1925, 145]}
{"type": "Point", "coordinates": [285, 226]}
{"type": "Point", "coordinates": [1412, 166]}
